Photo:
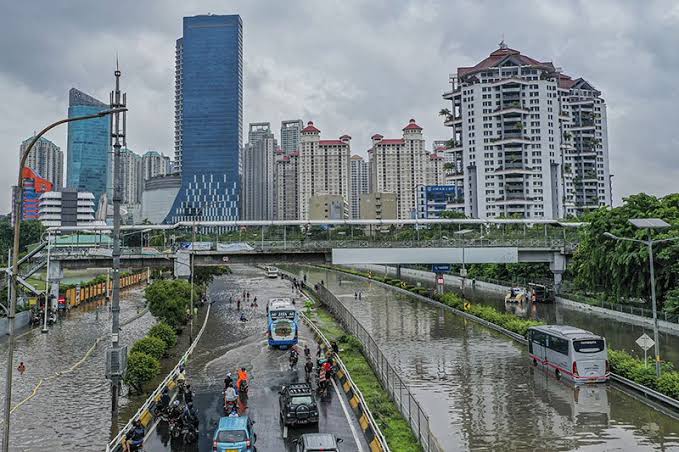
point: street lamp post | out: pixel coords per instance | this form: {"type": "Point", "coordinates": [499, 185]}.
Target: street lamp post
{"type": "Point", "coordinates": [11, 314]}
{"type": "Point", "coordinates": [47, 281]}
{"type": "Point", "coordinates": [649, 224]}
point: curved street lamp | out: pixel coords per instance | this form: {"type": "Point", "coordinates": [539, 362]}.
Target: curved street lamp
{"type": "Point", "coordinates": [11, 314]}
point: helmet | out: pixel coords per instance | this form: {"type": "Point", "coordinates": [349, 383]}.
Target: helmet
{"type": "Point", "coordinates": [243, 369]}
{"type": "Point", "coordinates": [188, 386]}
{"type": "Point", "coordinates": [190, 404]}
{"type": "Point", "coordinates": [175, 403]}
{"type": "Point", "coordinates": [228, 374]}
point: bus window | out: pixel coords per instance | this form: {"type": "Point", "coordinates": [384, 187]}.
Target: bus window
{"type": "Point", "coordinates": [589, 346]}
{"type": "Point", "coordinates": [558, 345]}
{"type": "Point", "coordinates": [539, 338]}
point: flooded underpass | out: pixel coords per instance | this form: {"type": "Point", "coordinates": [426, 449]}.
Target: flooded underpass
{"type": "Point", "coordinates": [478, 386]}
{"type": "Point", "coordinates": [71, 410]}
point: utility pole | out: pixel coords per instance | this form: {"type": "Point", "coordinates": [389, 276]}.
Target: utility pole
{"type": "Point", "coordinates": [117, 355]}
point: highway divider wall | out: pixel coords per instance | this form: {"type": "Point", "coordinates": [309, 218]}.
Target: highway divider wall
{"type": "Point", "coordinates": [645, 391]}
{"type": "Point", "coordinates": [145, 413]}
{"type": "Point", "coordinates": [371, 431]}
{"type": "Point", "coordinates": [386, 374]}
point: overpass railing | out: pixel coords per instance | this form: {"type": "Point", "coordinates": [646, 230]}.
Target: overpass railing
{"type": "Point", "coordinates": [391, 381]}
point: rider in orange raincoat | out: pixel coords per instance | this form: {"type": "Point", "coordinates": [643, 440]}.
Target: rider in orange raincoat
{"type": "Point", "coordinates": [242, 375]}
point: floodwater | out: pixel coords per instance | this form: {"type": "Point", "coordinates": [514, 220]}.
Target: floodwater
{"type": "Point", "coordinates": [620, 335]}
{"type": "Point", "coordinates": [478, 386]}
{"type": "Point", "coordinates": [70, 411]}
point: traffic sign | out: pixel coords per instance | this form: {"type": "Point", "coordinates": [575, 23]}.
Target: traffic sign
{"type": "Point", "coordinates": [645, 341]}
{"type": "Point", "coordinates": [440, 268]}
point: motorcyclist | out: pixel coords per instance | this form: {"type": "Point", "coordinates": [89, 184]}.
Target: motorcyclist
{"type": "Point", "coordinates": [228, 381]}
{"type": "Point", "coordinates": [175, 411]}
{"type": "Point", "coordinates": [181, 379]}
{"type": "Point", "coordinates": [307, 351]}
{"type": "Point", "coordinates": [135, 437]}
{"type": "Point", "coordinates": [230, 393]}
{"type": "Point", "coordinates": [308, 368]}
{"type": "Point", "coordinates": [188, 395]}
{"type": "Point", "coordinates": [242, 317]}
{"type": "Point", "coordinates": [242, 376]}
{"type": "Point", "coordinates": [294, 356]}
{"type": "Point", "coordinates": [164, 401]}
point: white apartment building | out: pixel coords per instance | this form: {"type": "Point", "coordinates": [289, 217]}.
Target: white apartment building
{"type": "Point", "coordinates": [155, 164]}
{"type": "Point", "coordinates": [131, 176]}
{"type": "Point", "coordinates": [399, 166]}
{"type": "Point", "coordinates": [286, 182]}
{"type": "Point", "coordinates": [324, 167]}
{"type": "Point", "coordinates": [46, 159]}
{"type": "Point", "coordinates": [258, 173]}
{"type": "Point", "coordinates": [359, 184]}
{"type": "Point", "coordinates": [511, 122]}
{"type": "Point", "coordinates": [434, 170]}
{"type": "Point", "coordinates": [67, 208]}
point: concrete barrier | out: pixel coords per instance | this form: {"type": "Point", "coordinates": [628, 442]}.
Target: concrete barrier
{"type": "Point", "coordinates": [22, 319]}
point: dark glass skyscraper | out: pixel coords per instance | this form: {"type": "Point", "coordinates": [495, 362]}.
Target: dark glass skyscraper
{"type": "Point", "coordinates": [208, 118]}
{"type": "Point", "coordinates": [89, 145]}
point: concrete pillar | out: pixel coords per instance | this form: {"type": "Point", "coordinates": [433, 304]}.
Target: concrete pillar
{"type": "Point", "coordinates": [55, 273]}
{"type": "Point", "coordinates": [182, 264]}
{"type": "Point", "coordinates": [558, 266]}
{"type": "Point", "coordinates": [398, 271]}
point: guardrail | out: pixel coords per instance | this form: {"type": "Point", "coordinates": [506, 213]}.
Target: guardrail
{"type": "Point", "coordinates": [371, 430]}
{"type": "Point", "coordinates": [644, 390]}
{"type": "Point", "coordinates": [144, 413]}
{"type": "Point", "coordinates": [391, 381]}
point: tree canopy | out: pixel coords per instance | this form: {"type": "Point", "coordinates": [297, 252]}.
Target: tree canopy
{"type": "Point", "coordinates": [621, 268]}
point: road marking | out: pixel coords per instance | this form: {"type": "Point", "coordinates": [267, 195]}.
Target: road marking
{"type": "Point", "coordinates": [346, 414]}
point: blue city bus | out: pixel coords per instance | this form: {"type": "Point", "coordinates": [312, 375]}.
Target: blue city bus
{"type": "Point", "coordinates": [282, 323]}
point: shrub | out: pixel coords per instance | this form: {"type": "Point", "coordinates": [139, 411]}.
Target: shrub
{"type": "Point", "coordinates": [164, 332]}
{"type": "Point", "coordinates": [141, 368]}
{"type": "Point", "coordinates": [150, 345]}
{"type": "Point", "coordinates": [668, 384]}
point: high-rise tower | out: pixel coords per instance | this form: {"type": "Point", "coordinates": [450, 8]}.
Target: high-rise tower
{"type": "Point", "coordinates": [208, 118]}
{"type": "Point", "coordinates": [87, 158]}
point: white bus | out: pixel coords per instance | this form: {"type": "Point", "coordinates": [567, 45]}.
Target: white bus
{"type": "Point", "coordinates": [271, 272]}
{"type": "Point", "coordinates": [569, 352]}
{"type": "Point", "coordinates": [282, 323]}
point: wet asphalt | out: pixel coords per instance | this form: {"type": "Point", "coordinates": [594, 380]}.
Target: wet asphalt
{"type": "Point", "coordinates": [226, 345]}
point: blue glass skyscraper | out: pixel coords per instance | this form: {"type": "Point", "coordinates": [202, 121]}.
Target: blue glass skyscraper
{"type": "Point", "coordinates": [89, 145]}
{"type": "Point", "coordinates": [208, 118]}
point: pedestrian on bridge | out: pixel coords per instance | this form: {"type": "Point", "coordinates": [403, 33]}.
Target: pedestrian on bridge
{"type": "Point", "coordinates": [238, 304]}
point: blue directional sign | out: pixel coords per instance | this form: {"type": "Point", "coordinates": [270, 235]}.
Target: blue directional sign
{"type": "Point", "coordinates": [440, 268]}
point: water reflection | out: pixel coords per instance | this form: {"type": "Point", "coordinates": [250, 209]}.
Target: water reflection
{"type": "Point", "coordinates": [479, 389]}
{"type": "Point", "coordinates": [69, 411]}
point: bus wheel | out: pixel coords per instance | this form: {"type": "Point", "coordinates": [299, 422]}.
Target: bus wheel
{"type": "Point", "coordinates": [535, 362]}
{"type": "Point", "coordinates": [557, 374]}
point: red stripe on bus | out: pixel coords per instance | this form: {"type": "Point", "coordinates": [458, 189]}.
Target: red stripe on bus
{"type": "Point", "coordinates": [606, 375]}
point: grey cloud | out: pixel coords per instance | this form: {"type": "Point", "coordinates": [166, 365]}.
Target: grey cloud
{"type": "Point", "coordinates": [355, 66]}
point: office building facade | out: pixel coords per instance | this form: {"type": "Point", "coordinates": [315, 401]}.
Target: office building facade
{"type": "Point", "coordinates": [131, 176]}
{"type": "Point", "coordinates": [399, 166]}
{"type": "Point", "coordinates": [286, 182]}
{"type": "Point", "coordinates": [359, 183]}
{"type": "Point", "coordinates": [208, 118]}
{"type": "Point", "coordinates": [89, 146]}
{"type": "Point", "coordinates": [46, 159]}
{"type": "Point", "coordinates": [433, 200]}
{"type": "Point", "coordinates": [533, 141]}
{"type": "Point", "coordinates": [67, 208]}
{"type": "Point", "coordinates": [324, 167]}
{"type": "Point", "coordinates": [291, 131]}
{"type": "Point", "coordinates": [258, 173]}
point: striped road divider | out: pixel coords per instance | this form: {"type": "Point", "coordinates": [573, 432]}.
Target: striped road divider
{"type": "Point", "coordinates": [145, 412]}
{"type": "Point", "coordinates": [371, 431]}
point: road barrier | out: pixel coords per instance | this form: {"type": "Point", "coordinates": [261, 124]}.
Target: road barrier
{"type": "Point", "coordinates": [145, 412]}
{"type": "Point", "coordinates": [371, 431]}
{"type": "Point", "coordinates": [389, 378]}
{"type": "Point", "coordinates": [90, 291]}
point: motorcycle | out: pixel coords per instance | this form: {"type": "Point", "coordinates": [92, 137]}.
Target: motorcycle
{"type": "Point", "coordinates": [135, 445]}
{"type": "Point", "coordinates": [229, 406]}
{"type": "Point", "coordinates": [243, 390]}
{"type": "Point", "coordinates": [175, 427]}
{"type": "Point", "coordinates": [189, 434]}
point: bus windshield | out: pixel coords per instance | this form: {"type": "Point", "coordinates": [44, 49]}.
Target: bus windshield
{"type": "Point", "coordinates": [589, 346]}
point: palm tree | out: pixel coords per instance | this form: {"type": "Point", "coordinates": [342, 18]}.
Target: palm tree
{"type": "Point", "coordinates": [444, 112]}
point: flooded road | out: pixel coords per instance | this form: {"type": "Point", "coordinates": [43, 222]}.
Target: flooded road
{"type": "Point", "coordinates": [620, 335]}
{"type": "Point", "coordinates": [226, 345]}
{"type": "Point", "coordinates": [479, 389]}
{"type": "Point", "coordinates": [70, 411]}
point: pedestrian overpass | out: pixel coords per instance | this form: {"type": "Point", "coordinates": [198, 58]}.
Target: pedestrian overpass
{"type": "Point", "coordinates": [389, 242]}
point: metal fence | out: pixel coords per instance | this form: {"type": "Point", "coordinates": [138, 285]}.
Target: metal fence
{"type": "Point", "coordinates": [397, 389]}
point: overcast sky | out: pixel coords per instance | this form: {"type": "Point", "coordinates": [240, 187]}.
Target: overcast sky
{"type": "Point", "coordinates": [351, 66]}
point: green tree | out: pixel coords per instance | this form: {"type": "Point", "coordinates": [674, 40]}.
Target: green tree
{"type": "Point", "coordinates": [141, 368]}
{"type": "Point", "coordinates": [620, 269]}
{"type": "Point", "coordinates": [31, 231]}
{"type": "Point", "coordinates": [151, 346]}
{"type": "Point", "coordinates": [165, 332]}
{"type": "Point", "coordinates": [168, 300]}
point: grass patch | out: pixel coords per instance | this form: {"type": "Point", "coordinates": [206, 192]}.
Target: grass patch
{"type": "Point", "coordinates": [395, 428]}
